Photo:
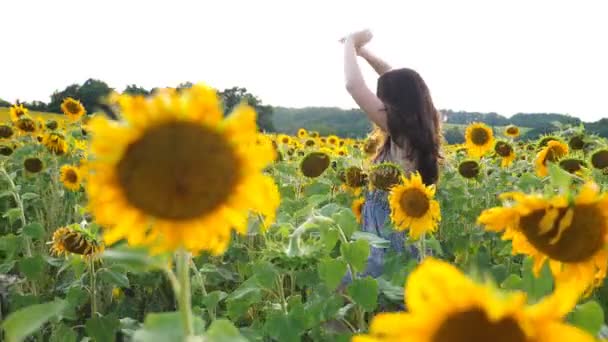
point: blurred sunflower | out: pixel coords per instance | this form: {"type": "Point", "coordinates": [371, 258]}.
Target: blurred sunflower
{"type": "Point", "coordinates": [178, 173]}
{"type": "Point", "coordinates": [478, 313]}
{"type": "Point", "coordinates": [6, 131]}
{"type": "Point", "coordinates": [72, 108]}
{"type": "Point", "coordinates": [553, 152]}
{"type": "Point", "coordinates": [479, 139]}
{"type": "Point", "coordinates": [284, 139]}
{"type": "Point", "coordinates": [544, 141]}
{"type": "Point", "coordinates": [314, 164]}
{"type": "Point", "coordinates": [357, 208]}
{"type": "Point", "coordinates": [51, 124]}
{"type": "Point", "coordinates": [576, 143]}
{"type": "Point", "coordinates": [313, 134]}
{"type": "Point", "coordinates": [70, 176]}
{"type": "Point", "coordinates": [55, 143]}
{"type": "Point", "coordinates": [599, 159]}
{"type": "Point", "coordinates": [572, 165]}
{"type": "Point", "coordinates": [333, 140]}
{"type": "Point", "coordinates": [33, 165]}
{"type": "Point", "coordinates": [6, 150]}
{"type": "Point", "coordinates": [469, 168]}
{"type": "Point", "coordinates": [26, 124]}
{"type": "Point", "coordinates": [354, 177]}
{"type": "Point", "coordinates": [342, 152]}
{"type": "Point", "coordinates": [413, 207]}
{"type": "Point", "coordinates": [302, 133]}
{"type": "Point", "coordinates": [310, 142]}
{"type": "Point", "coordinates": [17, 111]}
{"type": "Point", "coordinates": [512, 131]}
{"type": "Point", "coordinates": [572, 235]}
{"type": "Point", "coordinates": [70, 240]}
{"type": "Point", "coordinates": [506, 151]}
{"type": "Point", "coordinates": [385, 176]}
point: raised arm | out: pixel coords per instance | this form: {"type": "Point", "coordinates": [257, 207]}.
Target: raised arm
{"type": "Point", "coordinates": [376, 62]}
{"type": "Point", "coordinates": [355, 84]}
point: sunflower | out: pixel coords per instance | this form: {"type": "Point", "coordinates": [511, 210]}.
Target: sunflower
{"type": "Point", "coordinates": [55, 143]}
{"type": "Point", "coordinates": [571, 235]}
{"type": "Point", "coordinates": [479, 139]}
{"type": "Point", "coordinates": [544, 141]}
{"type": "Point", "coordinates": [413, 207]}
{"type": "Point", "coordinates": [72, 108]}
{"type": "Point", "coordinates": [314, 164]}
{"type": "Point", "coordinates": [33, 165]}
{"type": "Point", "coordinates": [313, 134]}
{"type": "Point", "coordinates": [69, 240]}
{"type": "Point", "coordinates": [599, 159]}
{"type": "Point", "coordinates": [553, 152]}
{"type": "Point", "coordinates": [6, 131]}
{"type": "Point", "coordinates": [354, 177]}
{"type": "Point", "coordinates": [70, 177]}
{"type": "Point", "coordinates": [572, 165]}
{"type": "Point", "coordinates": [26, 124]}
{"type": "Point", "coordinates": [342, 152]}
{"type": "Point", "coordinates": [357, 208]}
{"type": "Point", "coordinates": [178, 173]}
{"type": "Point", "coordinates": [469, 168]}
{"type": "Point", "coordinates": [302, 133]}
{"type": "Point", "coordinates": [284, 139]}
{"type": "Point", "coordinates": [385, 176]}
{"type": "Point", "coordinates": [512, 131]}
{"type": "Point", "coordinates": [310, 142]}
{"type": "Point", "coordinates": [5, 150]}
{"type": "Point", "coordinates": [576, 143]}
{"type": "Point", "coordinates": [333, 140]}
{"type": "Point", "coordinates": [51, 124]}
{"type": "Point", "coordinates": [17, 111]}
{"type": "Point", "coordinates": [506, 151]}
{"type": "Point", "coordinates": [446, 306]}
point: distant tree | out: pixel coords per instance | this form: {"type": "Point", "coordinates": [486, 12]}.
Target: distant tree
{"type": "Point", "coordinates": [4, 103]}
{"type": "Point", "coordinates": [58, 96]}
{"type": "Point", "coordinates": [543, 120]}
{"type": "Point", "coordinates": [184, 85]}
{"type": "Point", "coordinates": [37, 106]}
{"type": "Point", "coordinates": [135, 90]}
{"type": "Point", "coordinates": [453, 135]}
{"type": "Point", "coordinates": [231, 97]}
{"type": "Point", "coordinates": [89, 93]}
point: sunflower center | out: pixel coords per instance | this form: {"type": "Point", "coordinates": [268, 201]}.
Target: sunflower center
{"type": "Point", "coordinates": [474, 326]}
{"type": "Point", "coordinates": [71, 176]}
{"type": "Point", "coordinates": [479, 136]}
{"type": "Point", "coordinates": [5, 131]}
{"type": "Point", "coordinates": [314, 164]}
{"type": "Point", "coordinates": [5, 150]}
{"type": "Point", "coordinates": [503, 149]}
{"type": "Point", "coordinates": [72, 107]}
{"type": "Point", "coordinates": [468, 169]}
{"type": "Point", "coordinates": [600, 159]}
{"type": "Point", "coordinates": [512, 130]}
{"type": "Point", "coordinates": [576, 143]}
{"type": "Point", "coordinates": [178, 171]}
{"type": "Point", "coordinates": [414, 202]}
{"type": "Point", "coordinates": [26, 125]}
{"type": "Point", "coordinates": [33, 165]}
{"type": "Point", "coordinates": [576, 242]}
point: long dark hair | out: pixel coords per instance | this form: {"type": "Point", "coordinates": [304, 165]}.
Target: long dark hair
{"type": "Point", "coordinates": [412, 120]}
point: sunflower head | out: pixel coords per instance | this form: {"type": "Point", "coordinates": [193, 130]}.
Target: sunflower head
{"type": "Point", "coordinates": [71, 177]}
{"type": "Point", "coordinates": [385, 176]}
{"type": "Point", "coordinates": [26, 124]}
{"type": "Point", "coordinates": [33, 165]}
{"type": "Point", "coordinates": [70, 240]}
{"type": "Point", "coordinates": [72, 108]}
{"type": "Point", "coordinates": [284, 139]}
{"type": "Point", "coordinates": [354, 177]}
{"type": "Point", "coordinates": [177, 173]}
{"type": "Point", "coordinates": [553, 152]}
{"type": "Point", "coordinates": [544, 141]}
{"type": "Point", "coordinates": [333, 140]}
{"type": "Point", "coordinates": [479, 138]}
{"type": "Point", "coordinates": [413, 206]}
{"type": "Point", "coordinates": [302, 133]}
{"type": "Point", "coordinates": [55, 143]}
{"type": "Point", "coordinates": [310, 142]}
{"type": "Point", "coordinates": [6, 150]}
{"type": "Point", "coordinates": [342, 152]}
{"type": "Point", "coordinates": [18, 111]}
{"type": "Point", "coordinates": [370, 146]}
{"type": "Point", "coordinates": [314, 164]}
{"type": "Point", "coordinates": [576, 143]}
{"type": "Point", "coordinates": [357, 208]}
{"type": "Point", "coordinates": [572, 165]}
{"type": "Point", "coordinates": [51, 124]}
{"type": "Point", "coordinates": [599, 159]}
{"type": "Point", "coordinates": [512, 131]}
{"type": "Point", "coordinates": [6, 131]}
{"type": "Point", "coordinates": [313, 134]}
{"type": "Point", "coordinates": [469, 168]}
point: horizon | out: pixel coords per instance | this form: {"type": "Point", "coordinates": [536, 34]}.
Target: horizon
{"type": "Point", "coordinates": [507, 58]}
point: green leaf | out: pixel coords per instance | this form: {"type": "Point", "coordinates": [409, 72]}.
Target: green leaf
{"type": "Point", "coordinates": [499, 273]}
{"type": "Point", "coordinates": [7, 267]}
{"type": "Point", "coordinates": [20, 324]}
{"type": "Point", "coordinates": [213, 298]}
{"type": "Point", "coordinates": [588, 316]}
{"type": "Point", "coordinates": [281, 328]}
{"type": "Point", "coordinates": [266, 274]}
{"type": "Point", "coordinates": [392, 292]}
{"type": "Point", "coordinates": [329, 238]}
{"type": "Point", "coordinates": [28, 196]}
{"type": "Point", "coordinates": [317, 188]}
{"type": "Point", "coordinates": [512, 282]}
{"type": "Point", "coordinates": [373, 239]}
{"type": "Point", "coordinates": [12, 214]}
{"type": "Point", "coordinates": [559, 177]}
{"type": "Point", "coordinates": [77, 296]}
{"type": "Point", "coordinates": [246, 295]}
{"type": "Point", "coordinates": [34, 230]}
{"type": "Point", "coordinates": [536, 287]}
{"type": "Point", "coordinates": [63, 333]}
{"type": "Point", "coordinates": [365, 293]}
{"type": "Point", "coordinates": [222, 330]}
{"type": "Point", "coordinates": [331, 272]}
{"type": "Point", "coordinates": [347, 222]}
{"type": "Point", "coordinates": [11, 244]}
{"type": "Point", "coordinates": [32, 267]}
{"type": "Point", "coordinates": [356, 254]}
{"type": "Point", "coordinates": [134, 260]}
{"type": "Point", "coordinates": [113, 277]}
{"type": "Point", "coordinates": [102, 329]}
{"type": "Point", "coordinates": [166, 326]}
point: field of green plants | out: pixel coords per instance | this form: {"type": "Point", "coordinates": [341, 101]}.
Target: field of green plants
{"type": "Point", "coordinates": [170, 222]}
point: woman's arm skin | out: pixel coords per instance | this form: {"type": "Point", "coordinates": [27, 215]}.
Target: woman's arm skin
{"type": "Point", "coordinates": [360, 92]}
{"type": "Point", "coordinates": [376, 62]}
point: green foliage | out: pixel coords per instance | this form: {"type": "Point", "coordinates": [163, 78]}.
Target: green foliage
{"type": "Point", "coordinates": [20, 324]}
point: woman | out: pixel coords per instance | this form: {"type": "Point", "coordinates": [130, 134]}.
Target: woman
{"type": "Point", "coordinates": [406, 119]}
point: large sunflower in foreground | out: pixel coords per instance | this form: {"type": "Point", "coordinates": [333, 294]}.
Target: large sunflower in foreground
{"type": "Point", "coordinates": [446, 306]}
{"type": "Point", "coordinates": [177, 173]}
{"type": "Point", "coordinates": [479, 139]}
{"type": "Point", "coordinates": [72, 108]}
{"type": "Point", "coordinates": [553, 152]}
{"type": "Point", "coordinates": [413, 207]}
{"type": "Point", "coordinates": [571, 235]}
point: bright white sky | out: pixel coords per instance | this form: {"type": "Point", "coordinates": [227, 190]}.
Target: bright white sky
{"type": "Point", "coordinates": [503, 56]}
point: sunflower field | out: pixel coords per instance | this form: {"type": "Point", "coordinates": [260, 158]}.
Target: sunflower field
{"type": "Point", "coordinates": [161, 219]}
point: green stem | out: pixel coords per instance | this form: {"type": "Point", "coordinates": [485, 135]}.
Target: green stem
{"type": "Point", "coordinates": [422, 246]}
{"type": "Point", "coordinates": [93, 287]}
{"type": "Point", "coordinates": [184, 300]}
